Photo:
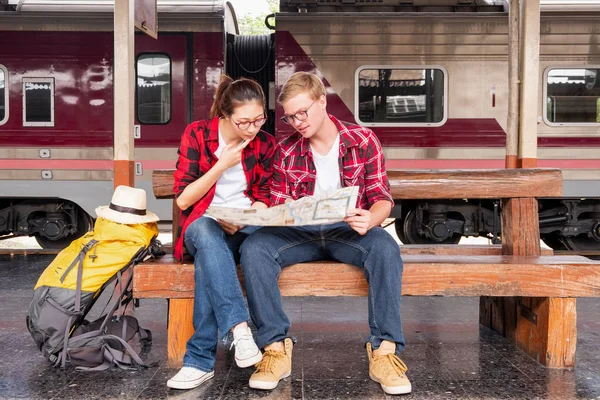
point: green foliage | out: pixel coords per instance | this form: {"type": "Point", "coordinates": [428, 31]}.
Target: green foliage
{"type": "Point", "coordinates": [252, 24]}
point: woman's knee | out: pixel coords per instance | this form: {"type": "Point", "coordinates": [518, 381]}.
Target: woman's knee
{"type": "Point", "coordinates": [201, 233]}
{"type": "Point", "coordinates": [203, 229]}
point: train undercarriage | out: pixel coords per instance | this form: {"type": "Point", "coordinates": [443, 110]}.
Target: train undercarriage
{"type": "Point", "coordinates": [565, 224]}
{"type": "Point", "coordinates": [53, 222]}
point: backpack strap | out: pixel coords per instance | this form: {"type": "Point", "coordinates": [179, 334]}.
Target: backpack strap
{"type": "Point", "coordinates": [112, 356]}
{"type": "Point", "coordinates": [79, 262]}
{"type": "Point", "coordinates": [63, 355]}
{"type": "Point", "coordinates": [79, 259]}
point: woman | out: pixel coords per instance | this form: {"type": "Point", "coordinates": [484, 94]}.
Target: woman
{"type": "Point", "coordinates": [225, 160]}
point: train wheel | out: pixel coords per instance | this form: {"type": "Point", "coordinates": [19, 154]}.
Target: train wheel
{"type": "Point", "coordinates": [412, 236]}
{"type": "Point", "coordinates": [554, 241]}
{"type": "Point", "coordinates": [84, 224]}
{"type": "Point", "coordinates": [584, 242]}
{"type": "Point", "coordinates": [399, 226]}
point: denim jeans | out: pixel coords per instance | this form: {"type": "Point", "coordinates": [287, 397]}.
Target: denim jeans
{"type": "Point", "coordinates": [218, 298]}
{"type": "Point", "coordinates": [268, 250]}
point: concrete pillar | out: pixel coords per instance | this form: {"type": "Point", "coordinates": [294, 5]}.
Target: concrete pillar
{"type": "Point", "coordinates": [529, 84]}
{"type": "Point", "coordinates": [124, 95]}
{"type": "Point", "coordinates": [512, 132]}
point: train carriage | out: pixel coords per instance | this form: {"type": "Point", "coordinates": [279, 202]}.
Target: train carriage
{"type": "Point", "coordinates": [56, 123]}
{"type": "Point", "coordinates": [429, 77]}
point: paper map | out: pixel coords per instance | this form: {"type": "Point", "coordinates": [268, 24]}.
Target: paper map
{"type": "Point", "coordinates": [331, 207]}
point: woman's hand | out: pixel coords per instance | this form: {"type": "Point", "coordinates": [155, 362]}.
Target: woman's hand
{"type": "Point", "coordinates": [232, 155]}
{"type": "Point", "coordinates": [259, 205]}
{"type": "Point", "coordinates": [229, 228]}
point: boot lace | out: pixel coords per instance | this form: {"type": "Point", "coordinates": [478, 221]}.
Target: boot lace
{"type": "Point", "coordinates": [391, 363]}
{"type": "Point", "coordinates": [270, 358]}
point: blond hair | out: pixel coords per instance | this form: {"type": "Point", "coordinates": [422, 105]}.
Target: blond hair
{"type": "Point", "coordinates": [302, 82]}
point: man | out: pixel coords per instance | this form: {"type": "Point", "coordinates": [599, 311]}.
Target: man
{"type": "Point", "coordinates": [325, 154]}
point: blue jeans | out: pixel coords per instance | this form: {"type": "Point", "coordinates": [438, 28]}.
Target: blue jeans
{"type": "Point", "coordinates": [218, 298]}
{"type": "Point", "coordinates": [268, 250]}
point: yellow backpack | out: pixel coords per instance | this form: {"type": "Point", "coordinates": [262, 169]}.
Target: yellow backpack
{"type": "Point", "coordinates": [71, 284]}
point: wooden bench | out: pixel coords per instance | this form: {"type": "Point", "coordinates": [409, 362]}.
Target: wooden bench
{"type": "Point", "coordinates": [528, 297]}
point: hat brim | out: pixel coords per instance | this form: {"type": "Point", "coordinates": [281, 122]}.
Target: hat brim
{"type": "Point", "coordinates": [124, 218]}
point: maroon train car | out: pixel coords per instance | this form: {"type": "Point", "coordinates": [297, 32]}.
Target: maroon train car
{"type": "Point", "coordinates": [430, 78]}
{"type": "Point", "coordinates": [56, 107]}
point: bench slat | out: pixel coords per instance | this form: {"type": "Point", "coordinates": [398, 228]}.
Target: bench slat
{"type": "Point", "coordinates": [162, 183]}
{"type": "Point", "coordinates": [556, 276]}
{"type": "Point", "coordinates": [475, 184]}
{"type": "Point", "coordinates": [458, 250]}
{"type": "Point", "coordinates": [442, 250]}
{"type": "Point", "coordinates": [443, 184]}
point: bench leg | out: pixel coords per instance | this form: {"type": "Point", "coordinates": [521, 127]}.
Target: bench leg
{"type": "Point", "coordinates": [179, 330]}
{"type": "Point", "coordinates": [545, 328]}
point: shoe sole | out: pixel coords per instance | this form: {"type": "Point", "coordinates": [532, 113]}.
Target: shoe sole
{"type": "Point", "coordinates": [264, 385]}
{"type": "Point", "coordinates": [393, 389]}
{"type": "Point", "coordinates": [190, 384]}
{"type": "Point", "coordinates": [248, 362]}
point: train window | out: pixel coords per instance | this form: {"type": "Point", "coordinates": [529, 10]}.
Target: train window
{"type": "Point", "coordinates": [38, 101]}
{"type": "Point", "coordinates": [153, 89]}
{"type": "Point", "coordinates": [572, 95]}
{"type": "Point", "coordinates": [3, 95]}
{"type": "Point", "coordinates": [394, 96]}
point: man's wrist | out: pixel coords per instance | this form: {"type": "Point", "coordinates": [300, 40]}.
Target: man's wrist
{"type": "Point", "coordinates": [371, 223]}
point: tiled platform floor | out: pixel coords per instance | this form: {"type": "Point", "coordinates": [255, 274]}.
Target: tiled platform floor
{"type": "Point", "coordinates": [449, 355]}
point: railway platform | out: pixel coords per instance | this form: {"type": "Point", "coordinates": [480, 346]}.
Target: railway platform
{"type": "Point", "coordinates": [448, 354]}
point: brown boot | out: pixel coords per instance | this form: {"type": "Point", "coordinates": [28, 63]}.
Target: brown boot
{"type": "Point", "coordinates": [275, 366]}
{"type": "Point", "coordinates": [387, 369]}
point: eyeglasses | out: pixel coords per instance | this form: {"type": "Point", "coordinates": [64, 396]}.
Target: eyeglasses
{"type": "Point", "coordinates": [300, 115]}
{"type": "Point", "coordinates": [246, 124]}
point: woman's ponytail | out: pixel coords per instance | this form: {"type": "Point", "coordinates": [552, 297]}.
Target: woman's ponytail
{"type": "Point", "coordinates": [224, 84]}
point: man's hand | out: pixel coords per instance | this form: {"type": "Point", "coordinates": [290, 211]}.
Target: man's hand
{"type": "Point", "coordinates": [359, 220]}
{"type": "Point", "coordinates": [229, 228]}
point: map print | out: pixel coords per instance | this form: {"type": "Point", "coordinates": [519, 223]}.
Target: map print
{"type": "Point", "coordinates": [331, 207]}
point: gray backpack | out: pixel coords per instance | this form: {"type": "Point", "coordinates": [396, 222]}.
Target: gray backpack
{"type": "Point", "coordinates": [71, 285]}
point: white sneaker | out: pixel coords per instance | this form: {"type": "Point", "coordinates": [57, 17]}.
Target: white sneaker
{"type": "Point", "coordinates": [247, 352]}
{"type": "Point", "coordinates": [189, 378]}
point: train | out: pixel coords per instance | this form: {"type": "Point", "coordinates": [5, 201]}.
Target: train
{"type": "Point", "coordinates": [429, 77]}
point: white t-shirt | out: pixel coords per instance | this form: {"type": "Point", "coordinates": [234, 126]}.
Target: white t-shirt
{"type": "Point", "coordinates": [328, 168]}
{"type": "Point", "coordinates": [231, 185]}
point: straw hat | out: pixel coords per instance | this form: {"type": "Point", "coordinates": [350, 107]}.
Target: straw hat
{"type": "Point", "coordinates": [128, 206]}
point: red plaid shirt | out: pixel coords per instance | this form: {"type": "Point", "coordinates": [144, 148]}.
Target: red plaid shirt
{"type": "Point", "coordinates": [361, 164]}
{"type": "Point", "coordinates": [197, 156]}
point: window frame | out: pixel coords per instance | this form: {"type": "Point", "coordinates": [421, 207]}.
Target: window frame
{"type": "Point", "coordinates": [6, 107]}
{"type": "Point", "coordinates": [545, 95]}
{"type": "Point", "coordinates": [137, 104]}
{"type": "Point", "coordinates": [27, 79]}
{"type": "Point", "coordinates": [400, 124]}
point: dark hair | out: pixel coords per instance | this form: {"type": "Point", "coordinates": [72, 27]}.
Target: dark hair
{"type": "Point", "coordinates": [231, 94]}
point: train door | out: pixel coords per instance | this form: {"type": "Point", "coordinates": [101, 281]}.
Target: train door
{"type": "Point", "coordinates": [161, 108]}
